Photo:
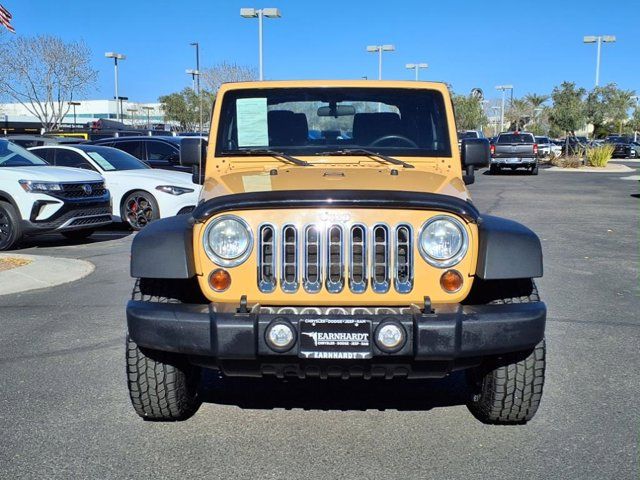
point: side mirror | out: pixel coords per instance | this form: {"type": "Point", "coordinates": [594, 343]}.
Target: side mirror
{"type": "Point", "coordinates": [193, 153]}
{"type": "Point", "coordinates": [474, 153]}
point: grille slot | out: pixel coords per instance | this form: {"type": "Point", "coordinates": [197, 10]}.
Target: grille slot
{"type": "Point", "coordinates": [403, 265]}
{"type": "Point", "coordinates": [267, 259]}
{"type": "Point", "coordinates": [312, 270]}
{"type": "Point", "coordinates": [289, 280]}
{"type": "Point", "coordinates": [335, 259]}
{"type": "Point", "coordinates": [380, 258]}
{"type": "Point", "coordinates": [358, 259]}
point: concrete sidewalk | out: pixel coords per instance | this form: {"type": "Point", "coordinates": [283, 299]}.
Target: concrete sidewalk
{"type": "Point", "coordinates": [42, 272]}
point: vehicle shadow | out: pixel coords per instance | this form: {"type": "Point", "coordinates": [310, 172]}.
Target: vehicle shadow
{"type": "Point", "coordinates": [49, 240]}
{"type": "Point", "coordinates": [506, 173]}
{"type": "Point", "coordinates": [335, 394]}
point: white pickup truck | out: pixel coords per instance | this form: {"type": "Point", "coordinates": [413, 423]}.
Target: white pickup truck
{"type": "Point", "coordinates": [37, 198]}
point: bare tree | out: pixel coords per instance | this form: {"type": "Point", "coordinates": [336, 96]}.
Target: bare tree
{"type": "Point", "coordinates": [225, 72]}
{"type": "Point", "coordinates": [44, 74]}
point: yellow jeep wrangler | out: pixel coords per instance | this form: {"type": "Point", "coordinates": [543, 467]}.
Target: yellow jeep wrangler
{"type": "Point", "coordinates": [335, 237]}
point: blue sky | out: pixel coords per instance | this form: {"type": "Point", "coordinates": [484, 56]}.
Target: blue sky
{"type": "Point", "coordinates": [532, 45]}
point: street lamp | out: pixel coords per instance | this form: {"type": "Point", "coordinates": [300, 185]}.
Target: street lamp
{"type": "Point", "coordinates": [132, 111]}
{"type": "Point", "coordinates": [417, 67]}
{"type": "Point", "coordinates": [148, 109]}
{"type": "Point", "coordinates": [379, 49]}
{"type": "Point", "coordinates": [116, 57]}
{"type": "Point", "coordinates": [259, 13]}
{"type": "Point", "coordinates": [195, 74]}
{"type": "Point", "coordinates": [503, 88]}
{"type": "Point", "coordinates": [74, 105]}
{"type": "Point", "coordinates": [599, 39]}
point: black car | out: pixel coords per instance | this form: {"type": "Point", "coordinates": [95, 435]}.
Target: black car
{"type": "Point", "coordinates": [623, 147]}
{"type": "Point", "coordinates": [157, 151]}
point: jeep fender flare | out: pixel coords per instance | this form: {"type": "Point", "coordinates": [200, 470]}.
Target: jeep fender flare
{"type": "Point", "coordinates": [507, 250]}
{"type": "Point", "coordinates": [164, 249]}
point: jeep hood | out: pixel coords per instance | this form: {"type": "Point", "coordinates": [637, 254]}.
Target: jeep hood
{"type": "Point", "coordinates": [335, 178]}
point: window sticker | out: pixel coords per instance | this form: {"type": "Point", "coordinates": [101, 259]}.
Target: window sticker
{"type": "Point", "coordinates": [100, 160]}
{"type": "Point", "coordinates": [252, 122]}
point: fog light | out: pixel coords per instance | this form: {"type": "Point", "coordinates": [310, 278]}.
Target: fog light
{"type": "Point", "coordinates": [451, 281]}
{"type": "Point", "coordinates": [390, 336]}
{"type": "Point", "coordinates": [220, 280]}
{"type": "Point", "coordinates": [280, 336]}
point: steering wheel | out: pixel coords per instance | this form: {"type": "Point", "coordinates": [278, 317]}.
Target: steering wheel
{"type": "Point", "coordinates": [387, 138]}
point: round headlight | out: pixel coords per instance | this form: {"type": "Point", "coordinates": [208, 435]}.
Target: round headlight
{"type": "Point", "coordinates": [443, 241]}
{"type": "Point", "coordinates": [228, 241]}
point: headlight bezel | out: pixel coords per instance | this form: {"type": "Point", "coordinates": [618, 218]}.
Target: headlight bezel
{"type": "Point", "coordinates": [458, 256]}
{"type": "Point", "coordinates": [36, 186]}
{"type": "Point", "coordinates": [222, 261]}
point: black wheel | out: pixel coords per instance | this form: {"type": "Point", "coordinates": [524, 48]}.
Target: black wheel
{"type": "Point", "coordinates": [10, 232]}
{"type": "Point", "coordinates": [78, 234]}
{"type": "Point", "coordinates": [494, 169]}
{"type": "Point", "coordinates": [139, 209]}
{"type": "Point", "coordinates": [534, 170]}
{"type": "Point", "coordinates": [507, 389]}
{"type": "Point", "coordinates": [162, 386]}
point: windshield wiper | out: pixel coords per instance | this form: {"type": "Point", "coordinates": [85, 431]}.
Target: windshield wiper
{"type": "Point", "coordinates": [364, 151]}
{"type": "Point", "coordinates": [271, 153]}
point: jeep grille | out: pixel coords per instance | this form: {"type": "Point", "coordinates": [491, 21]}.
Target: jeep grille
{"type": "Point", "coordinates": [357, 257]}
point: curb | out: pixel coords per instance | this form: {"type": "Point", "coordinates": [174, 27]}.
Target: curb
{"type": "Point", "coordinates": [42, 272]}
{"type": "Point", "coordinates": [607, 169]}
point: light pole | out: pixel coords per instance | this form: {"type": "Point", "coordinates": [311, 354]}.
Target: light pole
{"type": "Point", "coordinates": [148, 109]}
{"type": "Point", "coordinates": [116, 57]}
{"type": "Point", "coordinates": [495, 109]}
{"type": "Point", "coordinates": [74, 105]}
{"type": "Point", "coordinates": [379, 49]}
{"type": "Point", "coordinates": [637, 99]}
{"type": "Point", "coordinates": [119, 101]}
{"type": "Point", "coordinates": [196, 76]}
{"type": "Point", "coordinates": [503, 88]}
{"type": "Point", "coordinates": [599, 39]}
{"type": "Point", "coordinates": [260, 13]}
{"type": "Point", "coordinates": [132, 112]}
{"type": "Point", "coordinates": [417, 67]}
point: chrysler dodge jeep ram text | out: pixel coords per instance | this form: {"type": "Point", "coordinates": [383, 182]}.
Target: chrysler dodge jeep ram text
{"type": "Point", "coordinates": [350, 252]}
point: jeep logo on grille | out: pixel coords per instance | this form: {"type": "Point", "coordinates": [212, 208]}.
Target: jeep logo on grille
{"type": "Point", "coordinates": [340, 217]}
{"type": "Point", "coordinates": [87, 189]}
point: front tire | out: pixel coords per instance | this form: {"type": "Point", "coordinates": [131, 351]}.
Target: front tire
{"type": "Point", "coordinates": [162, 386]}
{"type": "Point", "coordinates": [508, 390]}
{"type": "Point", "coordinates": [139, 208]}
{"type": "Point", "coordinates": [10, 231]}
{"type": "Point", "coordinates": [534, 170]}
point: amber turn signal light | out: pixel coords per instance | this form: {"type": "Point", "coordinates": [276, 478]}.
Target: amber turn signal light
{"type": "Point", "coordinates": [451, 281]}
{"type": "Point", "coordinates": [220, 280]}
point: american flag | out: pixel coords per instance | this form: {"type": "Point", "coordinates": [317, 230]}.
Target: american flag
{"type": "Point", "coordinates": [5, 19]}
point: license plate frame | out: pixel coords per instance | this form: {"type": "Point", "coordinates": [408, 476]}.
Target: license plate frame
{"type": "Point", "coordinates": [333, 338]}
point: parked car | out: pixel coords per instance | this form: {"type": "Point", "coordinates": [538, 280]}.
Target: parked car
{"type": "Point", "coordinates": [624, 147]}
{"type": "Point", "coordinates": [140, 194]}
{"type": "Point", "coordinates": [468, 134]}
{"type": "Point", "coordinates": [37, 198]}
{"type": "Point", "coordinates": [158, 152]}
{"type": "Point", "coordinates": [514, 150]}
{"type": "Point", "coordinates": [358, 257]}
{"type": "Point", "coordinates": [544, 146]}
{"type": "Point", "coordinates": [28, 141]}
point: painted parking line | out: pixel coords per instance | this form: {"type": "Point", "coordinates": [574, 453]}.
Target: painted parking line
{"type": "Point", "coordinates": [631, 177]}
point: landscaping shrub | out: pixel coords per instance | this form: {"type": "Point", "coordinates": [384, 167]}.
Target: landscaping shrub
{"type": "Point", "coordinates": [567, 162]}
{"type": "Point", "coordinates": [599, 156]}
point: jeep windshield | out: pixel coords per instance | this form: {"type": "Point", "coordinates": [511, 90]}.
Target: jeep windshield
{"type": "Point", "coordinates": [313, 121]}
{"type": "Point", "coordinates": [12, 155]}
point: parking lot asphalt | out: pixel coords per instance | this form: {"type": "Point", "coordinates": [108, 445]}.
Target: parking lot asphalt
{"type": "Point", "coordinates": [65, 412]}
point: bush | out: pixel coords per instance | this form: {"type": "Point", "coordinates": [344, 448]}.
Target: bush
{"type": "Point", "coordinates": [599, 156]}
{"type": "Point", "coordinates": [567, 162]}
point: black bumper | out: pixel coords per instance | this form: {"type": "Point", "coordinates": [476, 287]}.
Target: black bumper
{"type": "Point", "coordinates": [74, 214]}
{"type": "Point", "coordinates": [449, 334]}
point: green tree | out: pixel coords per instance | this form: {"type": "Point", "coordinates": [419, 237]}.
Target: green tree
{"type": "Point", "coordinates": [607, 109]}
{"type": "Point", "coordinates": [568, 113]}
{"type": "Point", "coordinates": [183, 107]}
{"type": "Point", "coordinates": [469, 112]}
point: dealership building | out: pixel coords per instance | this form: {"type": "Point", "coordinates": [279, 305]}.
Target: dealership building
{"type": "Point", "coordinates": [15, 115]}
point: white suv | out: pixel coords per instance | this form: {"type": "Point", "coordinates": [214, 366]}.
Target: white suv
{"type": "Point", "coordinates": [37, 198]}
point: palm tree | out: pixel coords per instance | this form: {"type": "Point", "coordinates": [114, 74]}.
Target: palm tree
{"type": "Point", "coordinates": [536, 100]}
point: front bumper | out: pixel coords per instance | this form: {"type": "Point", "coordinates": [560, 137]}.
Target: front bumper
{"type": "Point", "coordinates": [73, 215]}
{"type": "Point", "coordinates": [436, 342]}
